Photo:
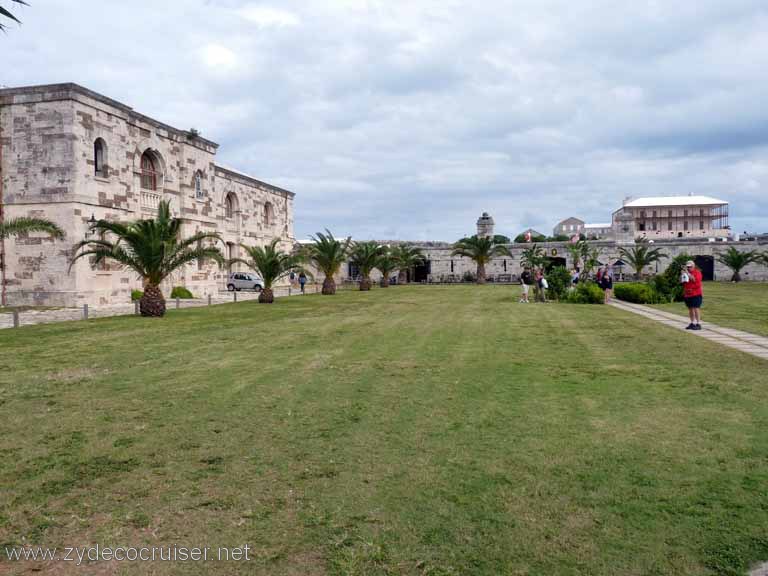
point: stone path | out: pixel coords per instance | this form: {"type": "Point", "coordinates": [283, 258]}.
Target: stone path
{"type": "Point", "coordinates": [736, 339]}
{"type": "Point", "coordinates": [30, 317]}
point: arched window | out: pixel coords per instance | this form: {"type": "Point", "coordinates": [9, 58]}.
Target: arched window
{"type": "Point", "coordinates": [269, 214]}
{"type": "Point", "coordinates": [199, 194]}
{"type": "Point", "coordinates": [230, 206]}
{"type": "Point", "coordinates": [100, 158]}
{"type": "Point", "coordinates": [148, 172]}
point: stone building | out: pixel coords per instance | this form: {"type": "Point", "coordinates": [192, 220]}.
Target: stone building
{"type": "Point", "coordinates": [664, 217]}
{"type": "Point", "coordinates": [568, 227]}
{"type": "Point", "coordinates": [74, 156]}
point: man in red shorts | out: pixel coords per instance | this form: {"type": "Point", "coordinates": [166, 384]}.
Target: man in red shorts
{"type": "Point", "coordinates": [692, 294]}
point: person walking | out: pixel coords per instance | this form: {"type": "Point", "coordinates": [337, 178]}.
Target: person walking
{"type": "Point", "coordinates": [606, 283]}
{"type": "Point", "coordinates": [544, 286]}
{"type": "Point", "coordinates": [693, 294]}
{"type": "Point", "coordinates": [302, 280]}
{"type": "Point", "coordinates": [525, 284]}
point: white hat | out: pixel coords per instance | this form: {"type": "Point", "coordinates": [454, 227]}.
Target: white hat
{"type": "Point", "coordinates": [690, 264]}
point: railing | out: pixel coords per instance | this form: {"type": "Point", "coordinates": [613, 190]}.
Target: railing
{"type": "Point", "coordinates": [150, 200]}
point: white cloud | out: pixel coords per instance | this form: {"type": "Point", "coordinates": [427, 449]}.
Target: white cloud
{"type": "Point", "coordinates": [218, 57]}
{"type": "Point", "coordinates": [266, 17]}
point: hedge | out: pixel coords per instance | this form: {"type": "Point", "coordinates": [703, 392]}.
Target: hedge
{"type": "Point", "coordinates": [637, 292]}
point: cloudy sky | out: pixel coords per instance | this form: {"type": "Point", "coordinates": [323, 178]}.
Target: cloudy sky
{"type": "Point", "coordinates": [407, 119]}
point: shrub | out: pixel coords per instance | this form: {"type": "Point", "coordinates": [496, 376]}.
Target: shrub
{"type": "Point", "coordinates": [637, 292]}
{"type": "Point", "coordinates": [667, 284]}
{"type": "Point", "coordinates": [181, 292]}
{"type": "Point", "coordinates": [586, 293]}
{"type": "Point", "coordinates": [136, 295]}
{"type": "Point", "coordinates": [468, 277]}
{"type": "Point", "coordinates": [559, 280]}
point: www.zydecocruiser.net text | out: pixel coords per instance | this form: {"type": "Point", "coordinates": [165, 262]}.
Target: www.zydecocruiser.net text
{"type": "Point", "coordinates": [85, 554]}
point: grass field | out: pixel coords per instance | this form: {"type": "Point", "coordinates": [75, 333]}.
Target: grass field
{"type": "Point", "coordinates": [414, 430]}
{"type": "Point", "coordinates": [743, 306]}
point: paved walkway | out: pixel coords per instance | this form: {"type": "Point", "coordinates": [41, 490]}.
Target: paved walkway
{"type": "Point", "coordinates": [29, 317]}
{"type": "Point", "coordinates": [736, 339]}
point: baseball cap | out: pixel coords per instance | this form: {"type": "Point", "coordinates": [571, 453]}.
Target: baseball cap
{"type": "Point", "coordinates": [690, 263]}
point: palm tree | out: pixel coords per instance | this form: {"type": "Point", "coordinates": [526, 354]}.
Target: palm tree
{"type": "Point", "coordinates": [533, 257]}
{"type": "Point", "coordinates": [151, 248]}
{"type": "Point", "coordinates": [579, 252]}
{"type": "Point", "coordinates": [7, 13]}
{"type": "Point", "coordinates": [271, 264]}
{"type": "Point", "coordinates": [387, 263]}
{"type": "Point", "coordinates": [407, 257]}
{"type": "Point", "coordinates": [641, 256]}
{"type": "Point", "coordinates": [591, 261]}
{"type": "Point", "coordinates": [736, 260]}
{"type": "Point", "coordinates": [18, 226]}
{"type": "Point", "coordinates": [328, 254]}
{"type": "Point", "coordinates": [365, 256]}
{"type": "Point", "coordinates": [481, 250]}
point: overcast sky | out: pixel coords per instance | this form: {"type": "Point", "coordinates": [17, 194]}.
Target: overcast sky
{"type": "Point", "coordinates": [407, 119]}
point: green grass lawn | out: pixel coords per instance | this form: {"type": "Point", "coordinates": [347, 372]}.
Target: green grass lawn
{"type": "Point", "coordinates": [414, 430]}
{"type": "Point", "coordinates": [743, 306]}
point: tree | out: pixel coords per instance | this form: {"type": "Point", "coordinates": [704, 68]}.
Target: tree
{"type": "Point", "coordinates": [365, 256]}
{"type": "Point", "coordinates": [591, 261]}
{"type": "Point", "coordinates": [151, 248]}
{"type": "Point", "coordinates": [407, 257]}
{"type": "Point", "coordinates": [501, 239]}
{"type": "Point", "coordinates": [641, 256]}
{"type": "Point", "coordinates": [481, 250]}
{"type": "Point", "coordinates": [387, 263]}
{"type": "Point", "coordinates": [737, 260]}
{"type": "Point", "coordinates": [328, 254]}
{"type": "Point", "coordinates": [533, 257]}
{"type": "Point", "coordinates": [578, 251]}
{"type": "Point", "coordinates": [7, 13]}
{"type": "Point", "coordinates": [18, 226]}
{"type": "Point", "coordinates": [271, 263]}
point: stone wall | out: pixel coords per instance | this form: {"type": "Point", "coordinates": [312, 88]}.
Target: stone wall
{"type": "Point", "coordinates": [48, 169]}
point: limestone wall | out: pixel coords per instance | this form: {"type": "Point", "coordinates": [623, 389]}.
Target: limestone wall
{"type": "Point", "coordinates": [48, 169]}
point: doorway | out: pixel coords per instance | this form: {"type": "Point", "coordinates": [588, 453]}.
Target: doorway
{"type": "Point", "coordinates": [707, 266]}
{"type": "Point", "coordinates": [422, 271]}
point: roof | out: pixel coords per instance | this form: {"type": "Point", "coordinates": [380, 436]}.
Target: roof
{"type": "Point", "coordinates": [602, 225]}
{"type": "Point", "coordinates": [673, 201]}
{"type": "Point", "coordinates": [571, 219]}
{"type": "Point", "coordinates": [68, 91]}
{"type": "Point", "coordinates": [253, 180]}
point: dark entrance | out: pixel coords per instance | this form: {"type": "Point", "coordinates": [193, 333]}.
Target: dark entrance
{"type": "Point", "coordinates": [554, 262]}
{"type": "Point", "coordinates": [707, 266]}
{"type": "Point", "coordinates": [422, 271]}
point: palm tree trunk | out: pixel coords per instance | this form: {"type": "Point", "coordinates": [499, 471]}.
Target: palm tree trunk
{"type": "Point", "coordinates": [385, 281]}
{"type": "Point", "coordinates": [152, 303]}
{"type": "Point", "coordinates": [736, 276]}
{"type": "Point", "coordinates": [480, 273]}
{"type": "Point", "coordinates": [365, 284]}
{"type": "Point", "coordinates": [266, 296]}
{"type": "Point", "coordinates": [402, 277]}
{"type": "Point", "coordinates": [329, 286]}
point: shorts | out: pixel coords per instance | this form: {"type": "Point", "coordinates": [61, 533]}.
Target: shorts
{"type": "Point", "coordinates": [525, 288]}
{"type": "Point", "coordinates": [693, 301]}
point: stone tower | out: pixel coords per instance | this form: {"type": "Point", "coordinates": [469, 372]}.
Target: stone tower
{"type": "Point", "coordinates": [485, 226]}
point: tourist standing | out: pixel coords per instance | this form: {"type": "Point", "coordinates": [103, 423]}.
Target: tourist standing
{"type": "Point", "coordinates": [606, 283]}
{"type": "Point", "coordinates": [544, 286]}
{"type": "Point", "coordinates": [693, 294]}
{"type": "Point", "coordinates": [302, 281]}
{"type": "Point", "coordinates": [525, 284]}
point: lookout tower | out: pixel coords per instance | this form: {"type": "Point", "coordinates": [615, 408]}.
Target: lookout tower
{"type": "Point", "coordinates": [485, 226]}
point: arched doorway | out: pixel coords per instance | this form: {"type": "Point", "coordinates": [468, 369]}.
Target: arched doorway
{"type": "Point", "coordinates": [707, 266]}
{"type": "Point", "coordinates": [554, 262]}
{"type": "Point", "coordinates": [422, 271]}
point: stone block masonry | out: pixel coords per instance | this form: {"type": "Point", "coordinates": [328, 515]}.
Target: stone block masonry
{"type": "Point", "coordinates": [69, 154]}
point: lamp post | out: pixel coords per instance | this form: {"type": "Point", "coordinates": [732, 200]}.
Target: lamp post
{"type": "Point", "coordinates": [91, 224]}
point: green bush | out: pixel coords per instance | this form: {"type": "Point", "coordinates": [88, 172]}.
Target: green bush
{"type": "Point", "coordinates": [667, 284]}
{"type": "Point", "coordinates": [637, 292]}
{"type": "Point", "coordinates": [136, 295]}
{"type": "Point", "coordinates": [468, 277]}
{"type": "Point", "coordinates": [586, 293]}
{"type": "Point", "coordinates": [181, 292]}
{"type": "Point", "coordinates": [559, 280]}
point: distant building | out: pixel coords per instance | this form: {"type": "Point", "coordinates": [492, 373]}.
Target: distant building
{"type": "Point", "coordinates": [568, 227]}
{"type": "Point", "coordinates": [602, 231]}
{"type": "Point", "coordinates": [533, 233]}
{"type": "Point", "coordinates": [485, 226]}
{"type": "Point", "coordinates": [666, 217]}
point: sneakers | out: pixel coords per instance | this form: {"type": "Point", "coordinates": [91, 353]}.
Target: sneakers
{"type": "Point", "coordinates": [691, 327]}
{"type": "Point", "coordinates": [697, 327]}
